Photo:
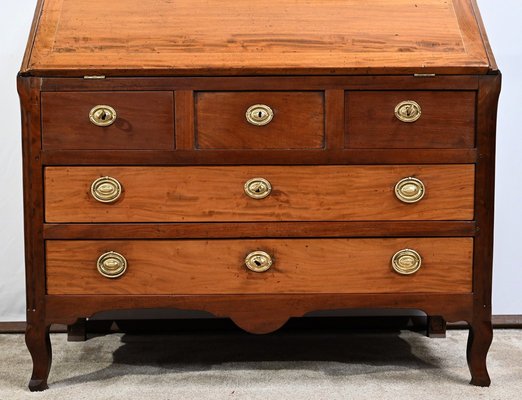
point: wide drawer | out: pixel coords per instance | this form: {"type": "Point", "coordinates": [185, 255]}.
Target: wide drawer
{"type": "Point", "coordinates": [296, 193]}
{"type": "Point", "coordinates": [108, 120]}
{"type": "Point", "coordinates": [410, 119]}
{"type": "Point", "coordinates": [259, 120]}
{"type": "Point", "coordinates": [443, 265]}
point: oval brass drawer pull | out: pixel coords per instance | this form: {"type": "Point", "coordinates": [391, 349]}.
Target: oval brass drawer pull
{"type": "Point", "coordinates": [106, 189]}
{"type": "Point", "coordinates": [406, 262]}
{"type": "Point", "coordinates": [258, 261]}
{"type": "Point", "coordinates": [259, 114]}
{"type": "Point", "coordinates": [102, 115]}
{"type": "Point", "coordinates": [257, 188]}
{"type": "Point", "coordinates": [410, 190]}
{"type": "Point", "coordinates": [408, 111]}
{"type": "Point", "coordinates": [112, 265]}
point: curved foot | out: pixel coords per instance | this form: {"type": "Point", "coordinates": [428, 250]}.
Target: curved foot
{"type": "Point", "coordinates": [38, 385]}
{"type": "Point", "coordinates": [479, 340]}
{"type": "Point", "coordinates": [39, 345]}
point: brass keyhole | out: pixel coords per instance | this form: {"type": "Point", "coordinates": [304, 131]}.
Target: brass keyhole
{"type": "Point", "coordinates": [259, 114]}
{"type": "Point", "coordinates": [102, 115]}
{"type": "Point", "coordinates": [258, 261]}
{"type": "Point", "coordinates": [408, 111]}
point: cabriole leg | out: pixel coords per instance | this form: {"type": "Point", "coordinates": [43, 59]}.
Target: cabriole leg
{"type": "Point", "coordinates": [479, 340]}
{"type": "Point", "coordinates": [39, 345]}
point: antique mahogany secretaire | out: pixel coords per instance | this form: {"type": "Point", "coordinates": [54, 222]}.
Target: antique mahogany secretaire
{"type": "Point", "coordinates": [258, 162]}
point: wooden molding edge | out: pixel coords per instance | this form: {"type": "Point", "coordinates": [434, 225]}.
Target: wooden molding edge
{"type": "Point", "coordinates": [485, 39]}
{"type": "Point", "coordinates": [32, 36]}
{"type": "Point", "coordinates": [499, 322]}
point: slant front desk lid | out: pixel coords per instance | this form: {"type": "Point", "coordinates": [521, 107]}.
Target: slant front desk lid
{"type": "Point", "coordinates": [239, 37]}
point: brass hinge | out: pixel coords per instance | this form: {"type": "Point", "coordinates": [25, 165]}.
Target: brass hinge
{"type": "Point", "coordinates": [94, 77]}
{"type": "Point", "coordinates": [423, 75]}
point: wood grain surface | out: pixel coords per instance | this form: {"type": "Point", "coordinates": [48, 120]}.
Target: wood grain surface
{"type": "Point", "coordinates": [300, 266]}
{"type": "Point", "coordinates": [298, 122]}
{"type": "Point", "coordinates": [304, 193]}
{"type": "Point", "coordinates": [233, 37]}
{"type": "Point", "coordinates": [145, 120]}
{"type": "Point", "coordinates": [447, 120]}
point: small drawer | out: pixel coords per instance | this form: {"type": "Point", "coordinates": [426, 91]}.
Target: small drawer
{"type": "Point", "coordinates": [108, 120]}
{"type": "Point", "coordinates": [410, 119]}
{"type": "Point", "coordinates": [263, 266]}
{"type": "Point", "coordinates": [259, 120]}
{"type": "Point", "coordinates": [259, 193]}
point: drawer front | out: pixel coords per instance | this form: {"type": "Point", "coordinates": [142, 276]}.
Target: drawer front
{"type": "Point", "coordinates": [446, 119]}
{"type": "Point", "coordinates": [298, 266]}
{"type": "Point", "coordinates": [73, 120]}
{"type": "Point", "coordinates": [298, 193]}
{"type": "Point", "coordinates": [260, 120]}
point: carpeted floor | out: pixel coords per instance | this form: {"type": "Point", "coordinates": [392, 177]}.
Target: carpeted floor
{"type": "Point", "coordinates": [302, 366]}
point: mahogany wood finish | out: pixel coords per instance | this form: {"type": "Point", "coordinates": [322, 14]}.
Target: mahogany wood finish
{"type": "Point", "coordinates": [39, 344]}
{"type": "Point", "coordinates": [481, 333]}
{"type": "Point", "coordinates": [298, 121]}
{"type": "Point", "coordinates": [261, 314]}
{"type": "Point", "coordinates": [145, 121]}
{"type": "Point", "coordinates": [185, 137]}
{"type": "Point", "coordinates": [272, 83]}
{"type": "Point", "coordinates": [299, 193]}
{"type": "Point", "coordinates": [249, 157]}
{"type": "Point", "coordinates": [340, 149]}
{"type": "Point", "coordinates": [187, 230]}
{"type": "Point", "coordinates": [447, 120]}
{"type": "Point", "coordinates": [299, 266]}
{"type": "Point", "coordinates": [37, 331]}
